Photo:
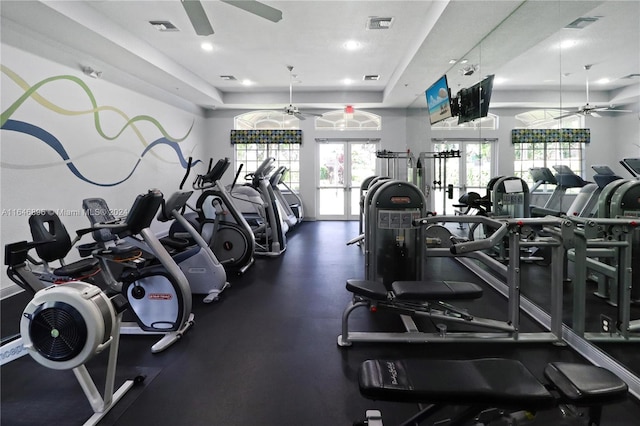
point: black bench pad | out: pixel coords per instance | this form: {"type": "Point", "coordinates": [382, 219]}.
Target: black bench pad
{"type": "Point", "coordinates": [371, 289]}
{"type": "Point", "coordinates": [436, 290]}
{"type": "Point", "coordinates": [493, 382]}
{"type": "Point", "coordinates": [585, 385]}
{"type": "Point", "coordinates": [416, 290]}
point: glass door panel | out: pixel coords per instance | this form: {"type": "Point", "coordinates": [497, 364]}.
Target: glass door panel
{"type": "Point", "coordinates": [331, 182]}
{"type": "Point", "coordinates": [343, 166]}
{"type": "Point", "coordinates": [362, 165]}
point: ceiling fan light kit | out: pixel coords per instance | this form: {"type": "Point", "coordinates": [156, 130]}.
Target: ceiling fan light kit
{"type": "Point", "coordinates": [291, 109]}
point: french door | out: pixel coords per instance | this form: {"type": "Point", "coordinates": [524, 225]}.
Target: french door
{"type": "Point", "coordinates": [342, 166]}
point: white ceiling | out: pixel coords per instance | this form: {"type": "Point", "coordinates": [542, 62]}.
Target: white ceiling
{"type": "Point", "coordinates": [515, 40]}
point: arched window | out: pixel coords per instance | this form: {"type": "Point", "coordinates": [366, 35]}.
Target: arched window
{"type": "Point", "coordinates": [253, 154]}
{"type": "Point", "coordinates": [548, 119]}
{"type": "Point", "coordinates": [490, 122]}
{"type": "Point", "coordinates": [266, 120]}
{"type": "Point", "coordinates": [340, 120]}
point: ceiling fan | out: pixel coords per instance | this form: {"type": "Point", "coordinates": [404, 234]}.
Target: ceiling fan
{"type": "Point", "coordinates": [293, 110]}
{"type": "Point", "coordinates": [591, 110]}
{"type": "Point", "coordinates": [200, 21]}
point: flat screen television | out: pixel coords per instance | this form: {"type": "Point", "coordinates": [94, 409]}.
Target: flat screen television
{"type": "Point", "coordinates": [474, 101]}
{"type": "Point", "coordinates": [439, 100]}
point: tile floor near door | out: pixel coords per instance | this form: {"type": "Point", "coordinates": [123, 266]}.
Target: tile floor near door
{"type": "Point", "coordinates": [266, 353]}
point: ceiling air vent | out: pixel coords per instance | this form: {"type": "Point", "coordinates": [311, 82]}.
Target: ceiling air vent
{"type": "Point", "coordinates": [228, 77]}
{"type": "Point", "coordinates": [631, 76]}
{"type": "Point", "coordinates": [371, 77]}
{"type": "Point", "coordinates": [163, 26]}
{"type": "Point", "coordinates": [582, 22]}
{"type": "Point", "coordinates": [377, 23]}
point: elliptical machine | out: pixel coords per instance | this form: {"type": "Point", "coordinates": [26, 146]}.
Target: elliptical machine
{"type": "Point", "coordinates": [218, 220]}
{"type": "Point", "coordinates": [292, 213]}
{"type": "Point", "coordinates": [270, 235]}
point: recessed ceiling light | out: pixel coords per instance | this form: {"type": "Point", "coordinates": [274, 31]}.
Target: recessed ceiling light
{"type": "Point", "coordinates": [603, 81]}
{"type": "Point", "coordinates": [453, 61]}
{"type": "Point", "coordinates": [566, 44]}
{"type": "Point", "coordinates": [247, 82]}
{"type": "Point", "coordinates": [207, 46]}
{"type": "Point", "coordinates": [352, 45]}
{"type": "Point", "coordinates": [499, 80]}
{"type": "Point", "coordinates": [464, 61]}
{"type": "Point", "coordinates": [347, 81]}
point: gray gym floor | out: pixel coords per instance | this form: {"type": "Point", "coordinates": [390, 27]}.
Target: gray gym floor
{"type": "Point", "coordinates": [266, 353]}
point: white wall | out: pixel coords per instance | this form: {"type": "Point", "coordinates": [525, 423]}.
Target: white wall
{"type": "Point", "coordinates": [34, 176]}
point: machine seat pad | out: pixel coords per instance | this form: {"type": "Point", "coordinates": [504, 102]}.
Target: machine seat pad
{"type": "Point", "coordinates": [585, 385]}
{"type": "Point", "coordinates": [436, 290]}
{"type": "Point", "coordinates": [493, 382]}
{"type": "Point", "coordinates": [370, 289]}
{"type": "Point", "coordinates": [77, 268]}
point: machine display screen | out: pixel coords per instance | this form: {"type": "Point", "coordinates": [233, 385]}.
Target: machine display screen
{"type": "Point", "coordinates": [513, 185]}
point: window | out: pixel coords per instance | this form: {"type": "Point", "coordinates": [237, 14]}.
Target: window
{"type": "Point", "coordinates": [339, 120]}
{"type": "Point", "coordinates": [252, 154]}
{"type": "Point", "coordinates": [490, 122]}
{"type": "Point", "coordinates": [548, 154]}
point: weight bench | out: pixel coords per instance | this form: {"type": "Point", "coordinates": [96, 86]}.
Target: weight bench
{"type": "Point", "coordinates": [412, 299]}
{"type": "Point", "coordinates": [489, 389]}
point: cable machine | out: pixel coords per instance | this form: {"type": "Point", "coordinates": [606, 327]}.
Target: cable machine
{"type": "Point", "coordinates": [440, 160]}
{"type": "Point", "coordinates": [399, 165]}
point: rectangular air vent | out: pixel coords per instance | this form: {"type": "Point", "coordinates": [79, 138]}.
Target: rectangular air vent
{"type": "Point", "coordinates": [378, 23]}
{"type": "Point", "coordinates": [582, 22]}
{"type": "Point", "coordinates": [371, 77]}
{"type": "Point", "coordinates": [228, 77]}
{"type": "Point", "coordinates": [163, 26]}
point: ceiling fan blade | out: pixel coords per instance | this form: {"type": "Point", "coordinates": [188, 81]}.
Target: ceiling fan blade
{"type": "Point", "coordinates": [565, 116]}
{"type": "Point", "coordinates": [595, 114]}
{"type": "Point", "coordinates": [257, 8]}
{"type": "Point", "coordinates": [311, 113]}
{"type": "Point", "coordinates": [198, 17]}
{"type": "Point", "coordinates": [299, 116]}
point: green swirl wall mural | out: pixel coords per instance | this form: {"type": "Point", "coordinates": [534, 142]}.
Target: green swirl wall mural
{"type": "Point", "coordinates": [38, 132]}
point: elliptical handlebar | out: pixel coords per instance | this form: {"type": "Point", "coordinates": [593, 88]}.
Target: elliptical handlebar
{"type": "Point", "coordinates": [265, 168]}
{"type": "Point", "coordinates": [186, 175]}
{"type": "Point", "coordinates": [214, 174]}
{"type": "Point", "coordinates": [235, 179]}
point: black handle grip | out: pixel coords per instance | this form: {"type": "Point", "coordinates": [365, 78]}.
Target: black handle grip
{"type": "Point", "coordinates": [186, 175]}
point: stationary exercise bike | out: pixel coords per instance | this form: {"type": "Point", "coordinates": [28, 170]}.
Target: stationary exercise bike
{"type": "Point", "coordinates": [205, 273]}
